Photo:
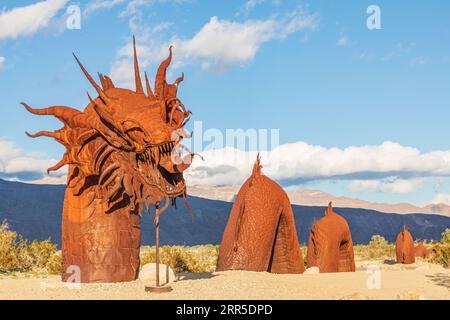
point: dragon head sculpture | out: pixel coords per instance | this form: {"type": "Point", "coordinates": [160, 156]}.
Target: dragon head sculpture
{"type": "Point", "coordinates": [124, 148]}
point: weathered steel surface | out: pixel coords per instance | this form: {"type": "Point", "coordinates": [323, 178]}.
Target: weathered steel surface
{"type": "Point", "coordinates": [330, 246]}
{"type": "Point", "coordinates": [123, 151]}
{"type": "Point", "coordinates": [404, 247]}
{"type": "Point", "coordinates": [260, 234]}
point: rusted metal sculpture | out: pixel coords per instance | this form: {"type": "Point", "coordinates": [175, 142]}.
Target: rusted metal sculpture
{"type": "Point", "coordinates": [330, 246]}
{"type": "Point", "coordinates": [123, 153]}
{"type": "Point", "coordinates": [260, 234]}
{"type": "Point", "coordinates": [404, 247]}
{"type": "Point", "coordinates": [421, 251]}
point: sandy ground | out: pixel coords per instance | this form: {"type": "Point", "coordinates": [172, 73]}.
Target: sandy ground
{"type": "Point", "coordinates": [418, 281]}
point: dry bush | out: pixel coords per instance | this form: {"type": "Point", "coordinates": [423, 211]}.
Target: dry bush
{"type": "Point", "coordinates": [183, 259]}
{"type": "Point", "coordinates": [9, 257]}
{"type": "Point", "coordinates": [440, 251]}
{"type": "Point", "coordinates": [377, 249]}
{"type": "Point", "coordinates": [17, 254]}
{"type": "Point", "coordinates": [440, 254]}
{"type": "Point", "coordinates": [446, 236]}
{"type": "Point", "coordinates": [304, 249]}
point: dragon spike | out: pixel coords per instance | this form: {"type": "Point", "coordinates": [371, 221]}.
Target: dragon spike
{"type": "Point", "coordinates": [137, 75]}
{"type": "Point", "coordinates": [43, 134]}
{"type": "Point", "coordinates": [90, 98]}
{"type": "Point", "coordinates": [109, 82]}
{"type": "Point", "coordinates": [329, 208]}
{"type": "Point", "coordinates": [103, 81]}
{"type": "Point", "coordinates": [257, 166]}
{"type": "Point", "coordinates": [179, 79]}
{"type": "Point", "coordinates": [99, 90]}
{"type": "Point", "coordinates": [61, 163]}
{"type": "Point", "coordinates": [64, 114]}
{"type": "Point", "coordinates": [160, 79]}
{"type": "Point", "coordinates": [149, 89]}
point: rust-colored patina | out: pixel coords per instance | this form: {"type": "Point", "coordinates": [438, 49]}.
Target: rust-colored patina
{"type": "Point", "coordinates": [330, 246]}
{"type": "Point", "coordinates": [123, 153]}
{"type": "Point", "coordinates": [260, 234]}
{"type": "Point", "coordinates": [404, 247]}
{"type": "Point", "coordinates": [421, 251]}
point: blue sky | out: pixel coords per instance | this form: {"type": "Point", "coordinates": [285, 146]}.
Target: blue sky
{"type": "Point", "coordinates": [311, 69]}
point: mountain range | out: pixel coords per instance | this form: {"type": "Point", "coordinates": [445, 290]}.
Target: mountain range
{"type": "Point", "coordinates": [35, 212]}
{"type": "Point", "coordinates": [319, 198]}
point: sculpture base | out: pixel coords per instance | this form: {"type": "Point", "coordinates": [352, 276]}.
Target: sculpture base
{"type": "Point", "coordinates": [160, 289]}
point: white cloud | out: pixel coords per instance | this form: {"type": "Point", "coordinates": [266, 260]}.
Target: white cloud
{"type": "Point", "coordinates": [441, 198]}
{"type": "Point", "coordinates": [249, 5]}
{"type": "Point", "coordinates": [386, 168]}
{"type": "Point", "coordinates": [2, 61]}
{"type": "Point", "coordinates": [390, 185]}
{"type": "Point", "coordinates": [218, 44]}
{"type": "Point", "coordinates": [343, 41]}
{"type": "Point", "coordinates": [50, 180]}
{"type": "Point", "coordinates": [227, 42]}
{"type": "Point", "coordinates": [96, 5]}
{"type": "Point", "coordinates": [300, 161]}
{"type": "Point", "coordinates": [19, 165]}
{"type": "Point", "coordinates": [134, 7]}
{"type": "Point", "coordinates": [28, 20]}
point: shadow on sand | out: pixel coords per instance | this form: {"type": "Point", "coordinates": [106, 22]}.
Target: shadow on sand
{"type": "Point", "coordinates": [441, 279]}
{"type": "Point", "coordinates": [196, 276]}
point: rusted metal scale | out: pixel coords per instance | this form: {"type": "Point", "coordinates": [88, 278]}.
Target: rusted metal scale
{"type": "Point", "coordinates": [124, 153]}
{"type": "Point", "coordinates": [404, 247]}
{"type": "Point", "coordinates": [421, 251]}
{"type": "Point", "coordinates": [260, 234]}
{"type": "Point", "coordinates": [330, 246]}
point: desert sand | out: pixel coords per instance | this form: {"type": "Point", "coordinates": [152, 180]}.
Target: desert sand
{"type": "Point", "coordinates": [417, 281]}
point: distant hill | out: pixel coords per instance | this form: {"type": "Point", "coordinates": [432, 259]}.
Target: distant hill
{"type": "Point", "coordinates": [35, 212]}
{"type": "Point", "coordinates": [319, 198]}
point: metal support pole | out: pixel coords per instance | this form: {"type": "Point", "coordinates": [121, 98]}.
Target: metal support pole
{"type": "Point", "coordinates": [157, 245]}
{"type": "Point", "coordinates": [158, 288]}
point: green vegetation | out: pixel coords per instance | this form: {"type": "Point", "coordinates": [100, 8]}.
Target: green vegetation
{"type": "Point", "coordinates": [182, 258]}
{"type": "Point", "coordinates": [440, 252]}
{"type": "Point", "coordinates": [446, 236]}
{"type": "Point", "coordinates": [377, 249]}
{"type": "Point", "coordinates": [19, 255]}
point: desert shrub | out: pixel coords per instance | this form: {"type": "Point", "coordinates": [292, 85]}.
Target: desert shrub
{"type": "Point", "coordinates": [53, 265]}
{"type": "Point", "coordinates": [446, 236]}
{"type": "Point", "coordinates": [8, 248]}
{"type": "Point", "coordinates": [17, 254]}
{"type": "Point", "coordinates": [377, 249]}
{"type": "Point", "coordinates": [440, 254]}
{"type": "Point", "coordinates": [378, 241]}
{"type": "Point", "coordinates": [183, 259]}
{"type": "Point", "coordinates": [304, 249]}
{"type": "Point", "coordinates": [440, 251]}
